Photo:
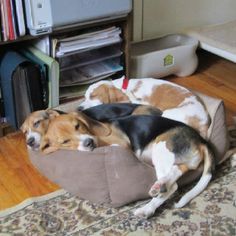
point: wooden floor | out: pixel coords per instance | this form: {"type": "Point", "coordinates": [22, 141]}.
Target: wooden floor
{"type": "Point", "coordinates": [20, 180]}
{"type": "Point", "coordinates": [215, 77]}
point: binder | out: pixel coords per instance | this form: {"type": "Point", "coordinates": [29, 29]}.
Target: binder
{"type": "Point", "coordinates": [53, 75]}
{"type": "Point", "coordinates": [44, 70]}
{"type": "Point", "coordinates": [27, 91]}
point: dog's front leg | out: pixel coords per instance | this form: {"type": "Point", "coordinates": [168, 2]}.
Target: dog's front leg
{"type": "Point", "coordinates": [149, 209]}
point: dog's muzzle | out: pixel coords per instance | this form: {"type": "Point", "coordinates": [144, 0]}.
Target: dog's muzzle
{"type": "Point", "coordinates": [31, 142]}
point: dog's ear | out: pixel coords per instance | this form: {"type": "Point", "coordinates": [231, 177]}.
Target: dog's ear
{"type": "Point", "coordinates": [95, 127]}
{"type": "Point", "coordinates": [50, 113]}
{"type": "Point", "coordinates": [46, 147]}
{"type": "Point", "coordinates": [116, 95]}
{"type": "Point", "coordinates": [23, 128]}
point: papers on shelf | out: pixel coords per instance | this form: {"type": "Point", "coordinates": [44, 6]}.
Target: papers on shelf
{"type": "Point", "coordinates": [90, 73]}
{"type": "Point", "coordinates": [89, 57]}
{"type": "Point", "coordinates": [85, 59]}
{"type": "Point", "coordinates": [72, 92]}
{"type": "Point", "coordinates": [88, 41]}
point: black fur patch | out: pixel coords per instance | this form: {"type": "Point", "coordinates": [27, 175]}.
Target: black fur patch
{"type": "Point", "coordinates": [142, 129]}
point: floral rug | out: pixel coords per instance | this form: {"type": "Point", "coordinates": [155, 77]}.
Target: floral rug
{"type": "Point", "coordinates": [213, 212]}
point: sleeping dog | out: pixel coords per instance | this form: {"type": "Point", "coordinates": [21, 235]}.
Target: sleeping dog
{"type": "Point", "coordinates": [176, 102]}
{"type": "Point", "coordinates": [36, 124]}
{"type": "Point", "coordinates": [173, 147]}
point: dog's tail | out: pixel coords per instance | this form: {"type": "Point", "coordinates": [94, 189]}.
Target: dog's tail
{"type": "Point", "coordinates": [205, 178]}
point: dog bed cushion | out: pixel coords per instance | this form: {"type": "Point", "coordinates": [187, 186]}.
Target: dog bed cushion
{"type": "Point", "coordinates": [113, 175]}
{"type": "Point", "coordinates": [109, 175]}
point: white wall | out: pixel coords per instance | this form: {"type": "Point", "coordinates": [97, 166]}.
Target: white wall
{"type": "Point", "coordinates": [153, 18]}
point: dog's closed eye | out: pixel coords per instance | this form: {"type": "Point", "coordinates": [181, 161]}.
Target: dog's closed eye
{"type": "Point", "coordinates": [45, 146]}
{"type": "Point", "coordinates": [77, 126]}
{"type": "Point", "coordinates": [36, 124]}
{"type": "Point", "coordinates": [66, 141]}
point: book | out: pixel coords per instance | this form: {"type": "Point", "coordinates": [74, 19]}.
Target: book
{"type": "Point", "coordinates": [20, 17]}
{"type": "Point", "coordinates": [5, 29]}
{"type": "Point", "coordinates": [14, 18]}
{"type": "Point", "coordinates": [10, 20]}
{"type": "Point", "coordinates": [53, 74]}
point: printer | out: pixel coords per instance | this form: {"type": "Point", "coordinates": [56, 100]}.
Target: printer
{"type": "Point", "coordinates": [42, 16]}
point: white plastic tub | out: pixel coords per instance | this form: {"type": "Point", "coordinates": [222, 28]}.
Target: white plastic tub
{"type": "Point", "coordinates": [172, 54]}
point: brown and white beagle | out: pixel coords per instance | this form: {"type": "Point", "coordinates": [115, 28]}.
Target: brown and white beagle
{"type": "Point", "coordinates": [171, 146]}
{"type": "Point", "coordinates": [176, 102]}
{"type": "Point", "coordinates": [36, 124]}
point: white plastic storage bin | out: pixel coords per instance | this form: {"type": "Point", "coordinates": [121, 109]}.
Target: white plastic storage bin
{"type": "Point", "coordinates": [172, 54]}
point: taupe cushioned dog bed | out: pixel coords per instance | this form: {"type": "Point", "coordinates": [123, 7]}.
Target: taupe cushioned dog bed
{"type": "Point", "coordinates": [113, 175]}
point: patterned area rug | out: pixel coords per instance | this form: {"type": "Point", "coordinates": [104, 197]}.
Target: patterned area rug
{"type": "Point", "coordinates": [212, 213]}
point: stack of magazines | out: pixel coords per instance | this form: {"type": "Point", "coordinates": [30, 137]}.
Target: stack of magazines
{"type": "Point", "coordinates": [87, 58]}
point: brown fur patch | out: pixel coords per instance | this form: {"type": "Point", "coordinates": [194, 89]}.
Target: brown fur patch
{"type": "Point", "coordinates": [147, 110]}
{"type": "Point", "coordinates": [138, 85]}
{"type": "Point", "coordinates": [166, 96]}
{"type": "Point", "coordinates": [195, 122]}
{"type": "Point", "coordinates": [108, 94]}
{"type": "Point", "coordinates": [184, 168]}
{"type": "Point", "coordinates": [116, 137]}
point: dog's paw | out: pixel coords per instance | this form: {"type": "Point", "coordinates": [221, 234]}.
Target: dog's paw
{"type": "Point", "coordinates": [157, 188]}
{"type": "Point", "coordinates": [144, 212]}
{"type": "Point", "coordinates": [179, 204]}
{"type": "Point", "coordinates": [233, 160]}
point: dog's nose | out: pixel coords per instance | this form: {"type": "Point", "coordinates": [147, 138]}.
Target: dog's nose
{"type": "Point", "coordinates": [89, 142]}
{"type": "Point", "coordinates": [31, 141]}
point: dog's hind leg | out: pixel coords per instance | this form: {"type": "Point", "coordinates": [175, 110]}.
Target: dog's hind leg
{"type": "Point", "coordinates": [149, 209]}
{"type": "Point", "coordinates": [164, 183]}
{"type": "Point", "coordinates": [167, 171]}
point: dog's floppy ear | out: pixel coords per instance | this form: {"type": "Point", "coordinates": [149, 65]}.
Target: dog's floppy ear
{"type": "Point", "coordinates": [116, 95]}
{"type": "Point", "coordinates": [95, 127]}
{"type": "Point", "coordinates": [52, 113]}
{"type": "Point", "coordinates": [23, 127]}
{"type": "Point", "coordinates": [46, 147]}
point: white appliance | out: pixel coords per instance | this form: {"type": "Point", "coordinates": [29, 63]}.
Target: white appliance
{"type": "Point", "coordinates": [44, 15]}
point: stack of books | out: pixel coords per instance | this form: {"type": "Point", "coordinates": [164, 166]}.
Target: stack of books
{"type": "Point", "coordinates": [12, 20]}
